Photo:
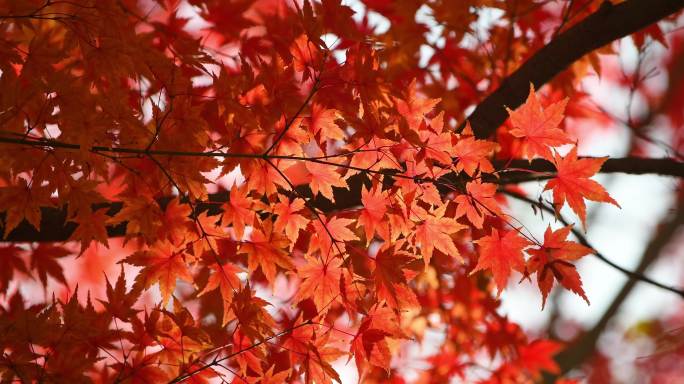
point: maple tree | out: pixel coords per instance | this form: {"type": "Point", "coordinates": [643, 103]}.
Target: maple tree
{"type": "Point", "coordinates": [261, 190]}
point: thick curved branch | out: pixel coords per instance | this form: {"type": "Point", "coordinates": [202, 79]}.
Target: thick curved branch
{"type": "Point", "coordinates": [54, 226]}
{"type": "Point", "coordinates": [515, 170]}
{"type": "Point", "coordinates": [631, 165]}
{"type": "Point", "coordinates": [609, 23]}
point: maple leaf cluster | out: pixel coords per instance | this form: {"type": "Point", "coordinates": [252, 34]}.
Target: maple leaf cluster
{"type": "Point", "coordinates": [284, 210]}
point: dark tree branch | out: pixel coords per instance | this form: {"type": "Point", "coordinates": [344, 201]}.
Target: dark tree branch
{"type": "Point", "coordinates": [631, 165]}
{"type": "Point", "coordinates": [54, 226]}
{"type": "Point", "coordinates": [518, 170]}
{"type": "Point", "coordinates": [609, 23]}
{"type": "Point", "coordinates": [512, 171]}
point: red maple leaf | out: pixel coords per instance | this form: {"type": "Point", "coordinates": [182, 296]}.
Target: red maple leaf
{"type": "Point", "coordinates": [538, 356]}
{"type": "Point", "coordinates": [22, 203]}
{"type": "Point", "coordinates": [44, 262]}
{"type": "Point", "coordinates": [119, 302]}
{"type": "Point", "coordinates": [391, 280]}
{"type": "Point", "coordinates": [91, 227]}
{"type": "Point", "coordinates": [552, 260]}
{"type": "Point", "coordinates": [572, 183]}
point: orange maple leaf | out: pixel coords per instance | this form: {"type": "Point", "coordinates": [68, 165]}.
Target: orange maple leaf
{"type": "Point", "coordinates": [248, 358]}
{"type": "Point", "coordinates": [373, 213]}
{"type": "Point", "coordinates": [176, 223]}
{"type": "Point", "coordinates": [238, 210]}
{"type": "Point", "coordinates": [320, 281]}
{"type": "Point", "coordinates": [323, 120]}
{"type": "Point", "coordinates": [305, 54]}
{"type": "Point", "coordinates": [370, 345]}
{"type": "Point", "coordinates": [323, 178]}
{"type": "Point", "coordinates": [262, 178]}
{"type": "Point", "coordinates": [472, 154]}
{"type": "Point", "coordinates": [258, 95]}
{"type": "Point", "coordinates": [270, 378]}
{"type": "Point", "coordinates": [249, 310]}
{"type": "Point", "coordinates": [572, 183]}
{"type": "Point", "coordinates": [226, 280]}
{"type": "Point", "coordinates": [143, 217]}
{"type": "Point", "coordinates": [81, 196]}
{"type": "Point", "coordinates": [501, 254]}
{"type": "Point", "coordinates": [266, 249]}
{"type": "Point", "coordinates": [331, 234]}
{"type": "Point", "coordinates": [141, 369]}
{"type": "Point", "coordinates": [435, 232]}
{"type": "Point", "coordinates": [162, 263]}
{"type": "Point", "coordinates": [436, 146]}
{"type": "Point", "coordinates": [290, 143]}
{"type": "Point", "coordinates": [414, 108]}
{"type": "Point", "coordinates": [288, 220]}
{"type": "Point", "coordinates": [310, 348]}
{"type": "Point", "coordinates": [477, 203]}
{"type": "Point", "coordinates": [538, 126]}
{"type": "Point", "coordinates": [375, 154]}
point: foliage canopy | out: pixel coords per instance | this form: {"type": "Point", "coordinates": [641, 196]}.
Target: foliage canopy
{"type": "Point", "coordinates": [264, 189]}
